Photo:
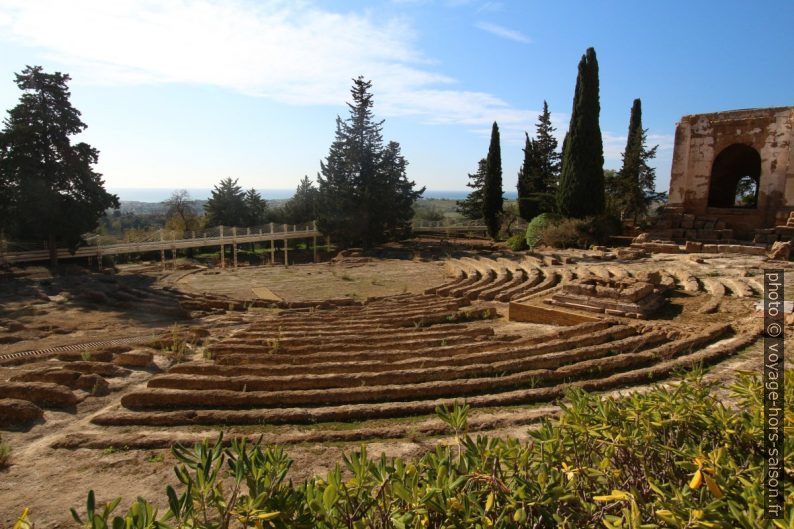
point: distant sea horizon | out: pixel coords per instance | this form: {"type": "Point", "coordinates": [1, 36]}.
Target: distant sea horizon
{"type": "Point", "coordinates": [158, 194]}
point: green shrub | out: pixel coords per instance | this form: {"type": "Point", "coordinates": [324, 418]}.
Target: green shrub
{"type": "Point", "coordinates": [517, 243]}
{"type": "Point", "coordinates": [575, 233]}
{"type": "Point", "coordinates": [672, 457]}
{"type": "Point", "coordinates": [536, 226]}
{"type": "Point", "coordinates": [601, 228]}
{"type": "Point", "coordinates": [566, 233]}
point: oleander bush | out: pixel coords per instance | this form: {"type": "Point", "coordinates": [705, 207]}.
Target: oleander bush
{"type": "Point", "coordinates": [517, 243]}
{"type": "Point", "coordinates": [560, 232]}
{"type": "Point", "coordinates": [534, 233]}
{"type": "Point", "coordinates": [673, 457]}
{"type": "Point", "coordinates": [566, 233]}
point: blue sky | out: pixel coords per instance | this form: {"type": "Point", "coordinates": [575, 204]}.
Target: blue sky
{"type": "Point", "coordinates": [178, 94]}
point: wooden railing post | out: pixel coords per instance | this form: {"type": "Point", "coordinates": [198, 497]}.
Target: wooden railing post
{"type": "Point", "coordinates": [314, 239]}
{"type": "Point", "coordinates": [173, 248]}
{"type": "Point", "coordinates": [260, 244]}
{"type": "Point", "coordinates": [223, 253]}
{"type": "Point", "coordinates": [272, 245]}
{"type": "Point", "coordinates": [234, 245]}
{"type": "Point", "coordinates": [162, 250]}
{"type": "Point", "coordinates": [286, 245]}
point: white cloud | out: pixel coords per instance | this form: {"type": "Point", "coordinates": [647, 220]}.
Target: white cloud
{"type": "Point", "coordinates": [491, 7]}
{"type": "Point", "coordinates": [503, 32]}
{"type": "Point", "coordinates": [288, 51]}
{"type": "Point", "coordinates": [615, 145]}
{"type": "Point", "coordinates": [664, 141]}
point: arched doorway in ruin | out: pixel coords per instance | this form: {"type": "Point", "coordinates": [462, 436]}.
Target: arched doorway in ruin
{"type": "Point", "coordinates": [735, 178]}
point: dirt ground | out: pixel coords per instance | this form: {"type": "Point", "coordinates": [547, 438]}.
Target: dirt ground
{"type": "Point", "coordinates": [38, 311]}
{"type": "Point", "coordinates": [360, 279]}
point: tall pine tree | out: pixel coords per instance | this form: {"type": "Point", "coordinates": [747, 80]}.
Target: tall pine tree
{"type": "Point", "coordinates": [255, 212]}
{"type": "Point", "coordinates": [48, 187]}
{"type": "Point", "coordinates": [471, 206]}
{"type": "Point", "coordinates": [633, 188]}
{"type": "Point", "coordinates": [527, 184]}
{"type": "Point", "coordinates": [546, 156]}
{"type": "Point", "coordinates": [538, 175]}
{"type": "Point", "coordinates": [492, 199]}
{"type": "Point", "coordinates": [226, 205]}
{"type": "Point", "coordinates": [364, 195]}
{"type": "Point", "coordinates": [581, 189]}
{"type": "Point", "coordinates": [302, 207]}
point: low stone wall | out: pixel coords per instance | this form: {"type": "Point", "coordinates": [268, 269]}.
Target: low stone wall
{"type": "Point", "coordinates": [700, 247]}
{"type": "Point", "coordinates": [536, 314]}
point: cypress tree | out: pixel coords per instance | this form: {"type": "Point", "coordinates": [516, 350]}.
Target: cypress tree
{"type": "Point", "coordinates": [364, 194]}
{"type": "Point", "coordinates": [633, 188]}
{"type": "Point", "coordinates": [492, 185]}
{"type": "Point", "coordinates": [581, 190]}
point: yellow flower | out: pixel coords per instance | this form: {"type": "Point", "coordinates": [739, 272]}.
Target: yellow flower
{"type": "Point", "coordinates": [713, 487]}
{"type": "Point", "coordinates": [697, 480]}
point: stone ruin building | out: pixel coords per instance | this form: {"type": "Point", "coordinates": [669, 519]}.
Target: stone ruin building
{"type": "Point", "coordinates": [732, 178]}
{"type": "Point", "coordinates": [630, 297]}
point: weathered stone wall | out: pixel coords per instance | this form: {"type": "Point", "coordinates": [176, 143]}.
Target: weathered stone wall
{"type": "Point", "coordinates": [699, 139]}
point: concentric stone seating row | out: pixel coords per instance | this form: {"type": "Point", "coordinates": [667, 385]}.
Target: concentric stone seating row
{"type": "Point", "coordinates": [52, 385]}
{"type": "Point", "coordinates": [542, 356]}
{"type": "Point", "coordinates": [348, 342]}
{"type": "Point", "coordinates": [435, 354]}
{"type": "Point", "coordinates": [411, 314]}
{"type": "Point", "coordinates": [299, 336]}
{"type": "Point", "coordinates": [506, 280]}
{"type": "Point", "coordinates": [371, 361]}
{"type": "Point", "coordinates": [497, 279]}
{"type": "Point", "coordinates": [379, 384]}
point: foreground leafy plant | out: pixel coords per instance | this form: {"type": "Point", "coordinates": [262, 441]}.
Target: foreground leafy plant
{"type": "Point", "coordinates": [673, 457]}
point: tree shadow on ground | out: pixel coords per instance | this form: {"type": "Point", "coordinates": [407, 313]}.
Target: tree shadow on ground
{"type": "Point", "coordinates": [673, 308]}
{"type": "Point", "coordinates": [33, 291]}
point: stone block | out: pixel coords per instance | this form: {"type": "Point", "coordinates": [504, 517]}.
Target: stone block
{"type": "Point", "coordinates": [709, 235]}
{"type": "Point", "coordinates": [136, 358]}
{"type": "Point", "coordinates": [16, 412]}
{"type": "Point", "coordinates": [780, 250]}
{"type": "Point", "coordinates": [693, 247]}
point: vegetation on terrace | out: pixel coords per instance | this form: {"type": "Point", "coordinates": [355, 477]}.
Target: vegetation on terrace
{"type": "Point", "coordinates": [681, 456]}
